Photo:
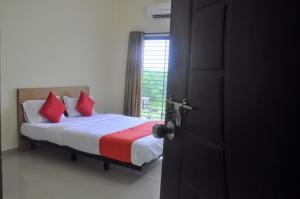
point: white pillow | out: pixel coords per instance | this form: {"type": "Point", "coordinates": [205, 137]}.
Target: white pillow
{"type": "Point", "coordinates": [71, 104]}
{"type": "Point", "coordinates": [31, 111]}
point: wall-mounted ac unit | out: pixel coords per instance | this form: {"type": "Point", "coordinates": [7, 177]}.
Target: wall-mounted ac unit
{"type": "Point", "coordinates": [160, 10]}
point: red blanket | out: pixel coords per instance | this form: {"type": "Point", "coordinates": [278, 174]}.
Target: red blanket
{"type": "Point", "coordinates": [117, 145]}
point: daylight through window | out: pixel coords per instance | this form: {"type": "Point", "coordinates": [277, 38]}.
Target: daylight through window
{"type": "Point", "coordinates": [155, 71]}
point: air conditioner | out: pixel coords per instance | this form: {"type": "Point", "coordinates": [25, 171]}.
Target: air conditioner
{"type": "Point", "coordinates": [160, 10]}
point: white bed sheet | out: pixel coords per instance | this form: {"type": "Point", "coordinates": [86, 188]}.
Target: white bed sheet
{"type": "Point", "coordinates": [83, 134]}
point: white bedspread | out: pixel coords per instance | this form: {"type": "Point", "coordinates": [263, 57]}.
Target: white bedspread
{"type": "Point", "coordinates": [83, 134]}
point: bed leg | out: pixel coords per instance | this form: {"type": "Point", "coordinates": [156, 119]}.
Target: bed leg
{"type": "Point", "coordinates": [106, 166]}
{"type": "Point", "coordinates": [73, 156]}
{"type": "Point", "coordinates": [32, 145]}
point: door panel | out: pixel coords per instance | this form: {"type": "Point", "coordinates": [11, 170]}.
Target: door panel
{"type": "Point", "coordinates": [205, 93]}
{"type": "Point", "coordinates": [179, 48]}
{"type": "Point", "coordinates": [189, 192]}
{"type": "Point", "coordinates": [198, 4]}
{"type": "Point", "coordinates": [203, 166]}
{"type": "Point", "coordinates": [177, 74]}
{"type": "Point", "coordinates": [208, 37]}
{"type": "Point", "coordinates": [193, 165]}
{"type": "Point", "coordinates": [203, 173]}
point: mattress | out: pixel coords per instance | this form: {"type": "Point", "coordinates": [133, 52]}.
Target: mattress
{"type": "Point", "coordinates": [83, 134]}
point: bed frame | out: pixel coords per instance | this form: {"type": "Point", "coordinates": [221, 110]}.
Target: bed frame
{"type": "Point", "coordinates": [25, 143]}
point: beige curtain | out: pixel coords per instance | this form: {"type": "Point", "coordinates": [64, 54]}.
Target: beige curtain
{"type": "Point", "coordinates": [133, 83]}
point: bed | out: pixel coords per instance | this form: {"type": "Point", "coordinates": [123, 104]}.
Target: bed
{"type": "Point", "coordinates": [86, 135]}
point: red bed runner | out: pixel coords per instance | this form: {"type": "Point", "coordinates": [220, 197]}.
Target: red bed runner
{"type": "Point", "coordinates": [117, 145]}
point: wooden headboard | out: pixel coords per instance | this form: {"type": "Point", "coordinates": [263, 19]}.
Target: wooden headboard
{"type": "Point", "coordinates": [24, 94]}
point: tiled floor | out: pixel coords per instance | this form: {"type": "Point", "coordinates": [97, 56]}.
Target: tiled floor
{"type": "Point", "coordinates": [49, 174]}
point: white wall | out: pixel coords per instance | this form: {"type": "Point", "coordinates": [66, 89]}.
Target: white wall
{"type": "Point", "coordinates": [46, 43]}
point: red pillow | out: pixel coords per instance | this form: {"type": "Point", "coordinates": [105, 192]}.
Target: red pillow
{"type": "Point", "coordinates": [85, 104]}
{"type": "Point", "coordinates": [53, 108]}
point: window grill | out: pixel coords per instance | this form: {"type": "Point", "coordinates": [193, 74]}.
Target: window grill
{"type": "Point", "coordinates": [155, 71]}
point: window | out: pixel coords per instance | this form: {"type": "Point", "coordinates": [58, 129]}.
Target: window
{"type": "Point", "coordinates": [155, 71]}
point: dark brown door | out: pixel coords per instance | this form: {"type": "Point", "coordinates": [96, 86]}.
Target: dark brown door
{"type": "Point", "coordinates": [227, 59]}
{"type": "Point", "coordinates": [193, 165]}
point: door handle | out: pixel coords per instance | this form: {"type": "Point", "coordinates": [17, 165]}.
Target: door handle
{"type": "Point", "coordinates": [176, 111]}
{"type": "Point", "coordinates": [164, 131]}
{"type": "Point", "coordinates": [183, 105]}
{"type": "Point", "coordinates": [179, 110]}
